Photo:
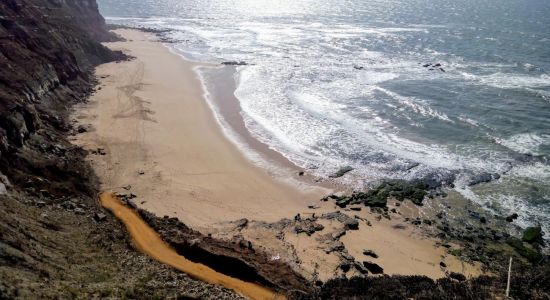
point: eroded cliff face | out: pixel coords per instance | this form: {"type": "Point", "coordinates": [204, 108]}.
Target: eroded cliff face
{"type": "Point", "coordinates": [47, 50]}
{"type": "Point", "coordinates": [56, 242]}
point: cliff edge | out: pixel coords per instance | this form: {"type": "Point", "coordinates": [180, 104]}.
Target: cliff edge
{"type": "Point", "coordinates": [55, 239]}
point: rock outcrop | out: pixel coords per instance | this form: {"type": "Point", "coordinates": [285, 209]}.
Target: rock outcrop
{"type": "Point", "coordinates": [56, 242]}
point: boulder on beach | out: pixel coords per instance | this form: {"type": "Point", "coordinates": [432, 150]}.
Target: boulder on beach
{"type": "Point", "coordinates": [373, 268]}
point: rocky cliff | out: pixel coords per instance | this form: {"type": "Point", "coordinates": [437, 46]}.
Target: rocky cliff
{"type": "Point", "coordinates": [56, 242]}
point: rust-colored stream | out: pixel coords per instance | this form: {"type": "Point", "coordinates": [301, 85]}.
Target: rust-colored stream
{"type": "Point", "coordinates": [149, 242]}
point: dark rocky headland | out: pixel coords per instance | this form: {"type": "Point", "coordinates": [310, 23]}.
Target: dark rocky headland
{"type": "Point", "coordinates": [57, 242]}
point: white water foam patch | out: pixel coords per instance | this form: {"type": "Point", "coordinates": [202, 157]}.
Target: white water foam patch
{"type": "Point", "coordinates": [526, 143]}
{"type": "Point", "coordinates": [506, 204]}
{"type": "Point", "coordinates": [250, 154]}
{"type": "Point", "coordinates": [510, 80]}
{"type": "Point", "coordinates": [417, 105]}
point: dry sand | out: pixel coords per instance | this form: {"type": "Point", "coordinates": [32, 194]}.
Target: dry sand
{"type": "Point", "coordinates": [163, 144]}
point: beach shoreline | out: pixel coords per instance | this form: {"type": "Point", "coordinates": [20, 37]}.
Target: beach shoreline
{"type": "Point", "coordinates": [155, 139]}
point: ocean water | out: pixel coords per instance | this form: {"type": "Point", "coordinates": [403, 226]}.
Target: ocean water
{"type": "Point", "coordinates": [455, 90]}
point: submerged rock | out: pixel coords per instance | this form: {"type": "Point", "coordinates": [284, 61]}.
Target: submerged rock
{"type": "Point", "coordinates": [234, 63]}
{"type": "Point", "coordinates": [341, 172]}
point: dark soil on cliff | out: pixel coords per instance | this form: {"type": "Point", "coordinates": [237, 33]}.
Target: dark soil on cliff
{"type": "Point", "coordinates": [56, 242]}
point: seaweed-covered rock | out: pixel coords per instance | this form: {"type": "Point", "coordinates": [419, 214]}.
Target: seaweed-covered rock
{"type": "Point", "coordinates": [533, 235]}
{"type": "Point", "coordinates": [378, 196]}
{"type": "Point", "coordinates": [526, 252]}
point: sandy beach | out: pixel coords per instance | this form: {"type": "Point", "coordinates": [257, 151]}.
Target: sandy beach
{"type": "Point", "coordinates": [152, 134]}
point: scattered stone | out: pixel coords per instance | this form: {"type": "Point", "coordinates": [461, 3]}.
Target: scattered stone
{"type": "Point", "coordinates": [370, 253]}
{"type": "Point", "coordinates": [346, 256]}
{"type": "Point", "coordinates": [301, 173]}
{"type": "Point", "coordinates": [99, 151]}
{"type": "Point", "coordinates": [483, 220]}
{"type": "Point", "coordinates": [358, 67]}
{"type": "Point", "coordinates": [141, 173]}
{"type": "Point", "coordinates": [338, 234]}
{"type": "Point", "coordinates": [312, 206]}
{"type": "Point", "coordinates": [442, 264]}
{"type": "Point", "coordinates": [345, 266]}
{"type": "Point", "coordinates": [373, 268]}
{"type": "Point", "coordinates": [79, 211]}
{"type": "Point", "coordinates": [100, 217]}
{"type": "Point", "coordinates": [81, 129]}
{"type": "Point", "coordinates": [240, 224]}
{"type": "Point", "coordinates": [360, 268]}
{"type": "Point", "coordinates": [399, 226]}
{"type": "Point", "coordinates": [457, 276]}
{"type": "Point", "coordinates": [336, 246]}
{"type": "Point", "coordinates": [351, 224]}
{"type": "Point", "coordinates": [355, 208]}
{"type": "Point", "coordinates": [40, 203]}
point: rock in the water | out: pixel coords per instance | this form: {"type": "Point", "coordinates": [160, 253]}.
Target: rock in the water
{"type": "Point", "coordinates": [480, 178]}
{"type": "Point", "coordinates": [373, 268]}
{"type": "Point", "coordinates": [341, 172]}
{"type": "Point", "coordinates": [234, 63]}
{"type": "Point", "coordinates": [511, 217]}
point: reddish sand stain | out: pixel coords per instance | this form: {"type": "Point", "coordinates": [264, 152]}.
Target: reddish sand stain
{"type": "Point", "coordinates": [149, 242]}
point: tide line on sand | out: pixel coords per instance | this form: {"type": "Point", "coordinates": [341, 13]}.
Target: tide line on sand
{"type": "Point", "coordinates": [149, 242]}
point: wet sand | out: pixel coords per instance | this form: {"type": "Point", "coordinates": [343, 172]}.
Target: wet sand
{"type": "Point", "coordinates": [149, 242]}
{"type": "Point", "coordinates": [161, 142]}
